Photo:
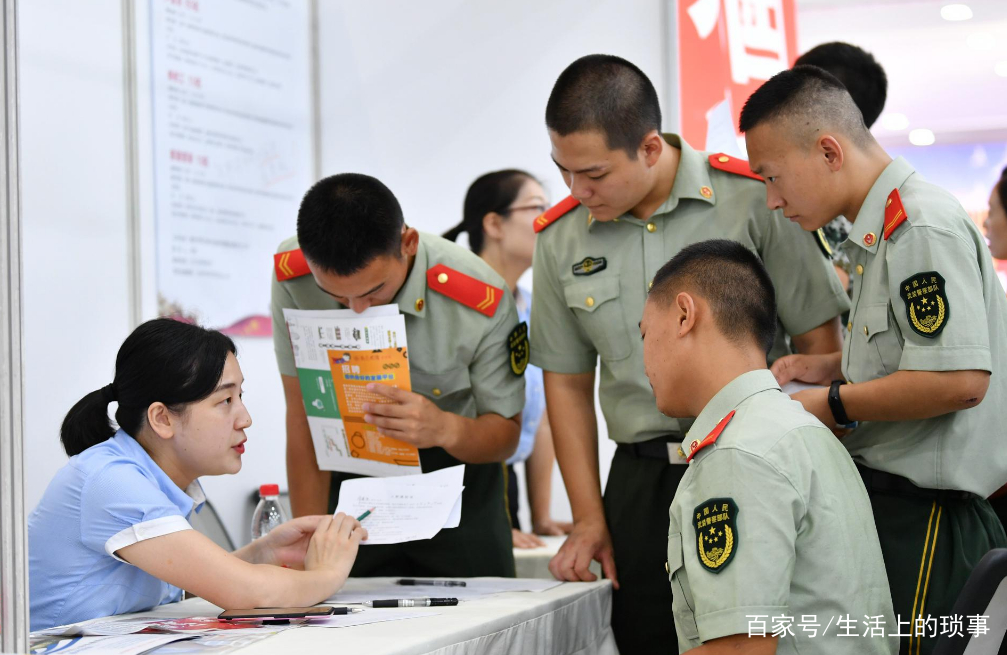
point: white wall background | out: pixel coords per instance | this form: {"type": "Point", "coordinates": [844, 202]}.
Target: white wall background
{"type": "Point", "coordinates": [425, 96]}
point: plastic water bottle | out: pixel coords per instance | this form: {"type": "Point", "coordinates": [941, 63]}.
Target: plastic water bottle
{"type": "Point", "coordinates": [268, 513]}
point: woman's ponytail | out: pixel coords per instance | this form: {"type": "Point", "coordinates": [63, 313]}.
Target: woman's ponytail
{"type": "Point", "coordinates": [87, 423]}
{"type": "Point", "coordinates": [452, 234]}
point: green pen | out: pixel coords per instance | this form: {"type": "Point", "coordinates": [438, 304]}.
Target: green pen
{"type": "Point", "coordinates": [365, 514]}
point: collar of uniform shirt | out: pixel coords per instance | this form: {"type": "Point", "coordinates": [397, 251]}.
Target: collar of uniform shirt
{"type": "Point", "coordinates": [415, 286]}
{"type": "Point", "coordinates": [871, 217]}
{"type": "Point", "coordinates": [728, 398]}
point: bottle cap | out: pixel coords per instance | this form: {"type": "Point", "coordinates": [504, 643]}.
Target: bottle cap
{"type": "Point", "coordinates": [269, 490]}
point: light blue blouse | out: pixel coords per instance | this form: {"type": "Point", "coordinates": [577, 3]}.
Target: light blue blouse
{"type": "Point", "coordinates": [534, 391]}
{"type": "Point", "coordinates": [108, 497]}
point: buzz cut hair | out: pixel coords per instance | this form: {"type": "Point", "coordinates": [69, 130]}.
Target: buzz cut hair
{"type": "Point", "coordinates": [809, 101]}
{"type": "Point", "coordinates": [348, 220]}
{"type": "Point", "coordinates": [607, 94]}
{"type": "Point", "coordinates": [732, 280]}
{"type": "Point", "coordinates": [857, 69]}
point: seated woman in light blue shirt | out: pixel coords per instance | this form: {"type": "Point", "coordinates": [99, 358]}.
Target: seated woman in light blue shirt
{"type": "Point", "coordinates": [498, 215]}
{"type": "Point", "coordinates": [111, 534]}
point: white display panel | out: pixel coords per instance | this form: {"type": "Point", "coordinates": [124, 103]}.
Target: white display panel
{"type": "Point", "coordinates": [231, 152]}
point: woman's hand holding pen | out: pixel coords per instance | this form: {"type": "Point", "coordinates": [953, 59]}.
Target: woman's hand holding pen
{"type": "Point", "coordinates": [334, 546]}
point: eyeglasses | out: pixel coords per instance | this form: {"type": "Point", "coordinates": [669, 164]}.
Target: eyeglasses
{"type": "Point", "coordinates": [539, 209]}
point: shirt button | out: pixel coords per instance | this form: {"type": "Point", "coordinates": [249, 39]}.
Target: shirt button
{"type": "Point", "coordinates": [865, 331]}
{"type": "Point", "coordinates": [651, 227]}
{"type": "Point", "coordinates": [436, 391]}
{"type": "Point", "coordinates": [589, 301]}
{"type": "Point", "coordinates": [849, 326]}
{"type": "Point", "coordinates": [442, 278]}
{"type": "Point", "coordinates": [860, 269]}
{"type": "Point", "coordinates": [667, 569]}
{"type": "Point", "coordinates": [650, 285]}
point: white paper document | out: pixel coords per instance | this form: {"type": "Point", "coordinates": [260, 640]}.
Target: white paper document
{"type": "Point", "coordinates": [364, 618]}
{"type": "Point", "coordinates": [338, 353]}
{"type": "Point", "coordinates": [108, 645]}
{"type": "Point", "coordinates": [794, 386]}
{"type": "Point", "coordinates": [359, 590]}
{"type": "Point", "coordinates": [407, 508]}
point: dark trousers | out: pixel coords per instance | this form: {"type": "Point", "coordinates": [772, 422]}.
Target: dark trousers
{"type": "Point", "coordinates": [480, 546]}
{"type": "Point", "coordinates": [512, 497]}
{"type": "Point", "coordinates": [638, 494]}
{"type": "Point", "coordinates": [931, 541]}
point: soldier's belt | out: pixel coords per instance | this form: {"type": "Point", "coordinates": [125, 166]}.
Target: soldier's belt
{"type": "Point", "coordinates": [669, 448]}
{"type": "Point", "coordinates": [883, 482]}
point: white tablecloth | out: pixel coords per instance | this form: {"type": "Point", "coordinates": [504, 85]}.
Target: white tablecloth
{"type": "Point", "coordinates": [572, 619]}
{"type": "Point", "coordinates": [534, 562]}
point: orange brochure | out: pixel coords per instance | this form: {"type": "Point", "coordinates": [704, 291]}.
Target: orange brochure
{"type": "Point", "coordinates": [352, 371]}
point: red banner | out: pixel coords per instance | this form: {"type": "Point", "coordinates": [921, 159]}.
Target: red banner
{"type": "Point", "coordinates": [726, 50]}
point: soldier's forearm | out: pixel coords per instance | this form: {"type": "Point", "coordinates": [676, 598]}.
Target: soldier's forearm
{"type": "Point", "coordinates": [570, 403]}
{"type": "Point", "coordinates": [484, 439]}
{"type": "Point", "coordinates": [914, 395]}
{"type": "Point", "coordinates": [824, 339]}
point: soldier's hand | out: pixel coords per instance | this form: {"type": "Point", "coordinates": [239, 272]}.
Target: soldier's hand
{"type": "Point", "coordinates": [812, 369]}
{"type": "Point", "coordinates": [410, 417]}
{"type": "Point", "coordinates": [590, 540]}
{"type": "Point", "coordinates": [816, 401]}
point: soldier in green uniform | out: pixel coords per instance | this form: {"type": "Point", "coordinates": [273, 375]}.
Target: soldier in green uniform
{"type": "Point", "coordinates": [927, 339]}
{"type": "Point", "coordinates": [467, 355]}
{"type": "Point", "coordinates": [771, 525]}
{"type": "Point", "coordinates": [638, 198]}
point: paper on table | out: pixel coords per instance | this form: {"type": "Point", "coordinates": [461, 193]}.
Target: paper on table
{"type": "Point", "coordinates": [400, 513]}
{"type": "Point", "coordinates": [107, 645]}
{"type": "Point", "coordinates": [359, 590]}
{"type": "Point", "coordinates": [794, 386]}
{"type": "Point", "coordinates": [370, 616]}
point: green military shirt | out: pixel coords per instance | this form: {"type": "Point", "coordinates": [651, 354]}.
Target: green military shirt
{"type": "Point", "coordinates": [583, 312]}
{"type": "Point", "coordinates": [458, 357]}
{"type": "Point", "coordinates": [771, 525]}
{"type": "Point", "coordinates": [927, 299]}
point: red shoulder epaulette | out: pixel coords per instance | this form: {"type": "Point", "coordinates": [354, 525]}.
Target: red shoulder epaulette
{"type": "Point", "coordinates": [290, 264]}
{"type": "Point", "coordinates": [730, 164]}
{"type": "Point", "coordinates": [895, 213]}
{"type": "Point", "coordinates": [564, 206]}
{"type": "Point", "coordinates": [710, 438]}
{"type": "Point", "coordinates": [474, 294]}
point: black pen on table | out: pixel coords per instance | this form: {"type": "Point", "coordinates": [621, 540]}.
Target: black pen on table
{"type": "Point", "coordinates": [412, 602]}
{"type": "Point", "coordinates": [431, 583]}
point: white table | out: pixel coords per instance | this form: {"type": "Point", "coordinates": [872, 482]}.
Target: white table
{"type": "Point", "coordinates": [572, 619]}
{"type": "Point", "coordinates": [534, 562]}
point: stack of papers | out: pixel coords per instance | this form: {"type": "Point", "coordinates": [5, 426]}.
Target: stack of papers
{"type": "Point", "coordinates": [357, 590]}
{"type": "Point", "coordinates": [407, 508]}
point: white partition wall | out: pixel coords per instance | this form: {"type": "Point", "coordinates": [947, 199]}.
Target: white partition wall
{"type": "Point", "coordinates": [13, 540]}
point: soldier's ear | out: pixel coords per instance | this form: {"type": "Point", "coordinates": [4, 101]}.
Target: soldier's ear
{"type": "Point", "coordinates": [830, 150]}
{"type": "Point", "coordinates": [651, 147]}
{"type": "Point", "coordinates": [410, 241]}
{"type": "Point", "coordinates": [684, 311]}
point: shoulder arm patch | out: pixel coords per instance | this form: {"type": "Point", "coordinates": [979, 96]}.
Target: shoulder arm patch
{"type": "Point", "coordinates": [729, 164]}
{"type": "Point", "coordinates": [710, 439]}
{"type": "Point", "coordinates": [717, 538]}
{"type": "Point", "coordinates": [290, 264]}
{"type": "Point", "coordinates": [927, 306]}
{"type": "Point", "coordinates": [554, 213]}
{"type": "Point", "coordinates": [895, 213]}
{"type": "Point", "coordinates": [474, 294]}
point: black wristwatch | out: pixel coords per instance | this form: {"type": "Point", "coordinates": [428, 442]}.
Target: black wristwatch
{"type": "Point", "coordinates": [836, 405]}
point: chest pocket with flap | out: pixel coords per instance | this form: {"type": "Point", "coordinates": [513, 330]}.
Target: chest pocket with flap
{"type": "Point", "coordinates": [451, 385]}
{"type": "Point", "coordinates": [876, 350]}
{"type": "Point", "coordinates": [596, 304]}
